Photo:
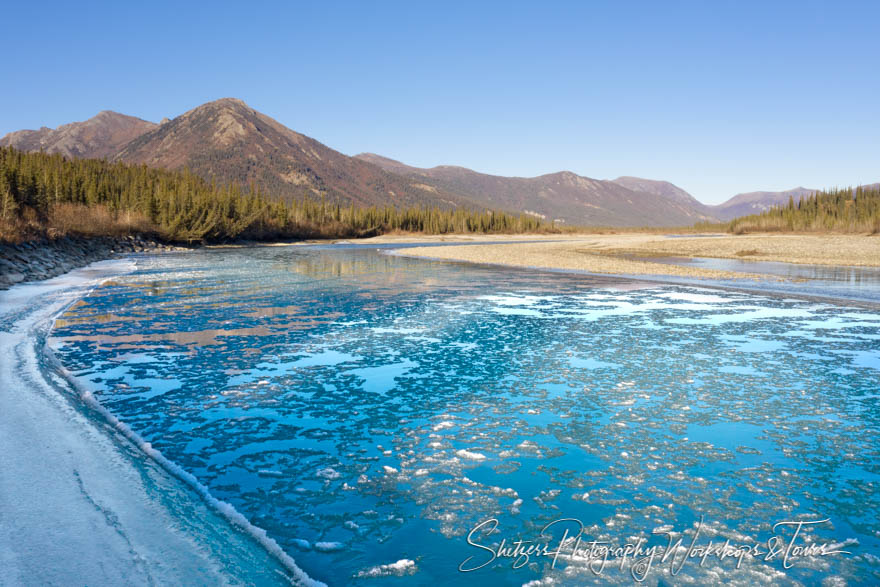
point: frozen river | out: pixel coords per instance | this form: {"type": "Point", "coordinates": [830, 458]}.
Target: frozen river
{"type": "Point", "coordinates": [370, 412]}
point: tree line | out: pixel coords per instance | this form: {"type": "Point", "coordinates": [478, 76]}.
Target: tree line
{"type": "Point", "coordinates": [43, 192]}
{"type": "Point", "coordinates": [834, 210]}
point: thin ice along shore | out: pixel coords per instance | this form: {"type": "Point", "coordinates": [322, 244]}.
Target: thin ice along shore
{"type": "Point", "coordinates": [80, 503]}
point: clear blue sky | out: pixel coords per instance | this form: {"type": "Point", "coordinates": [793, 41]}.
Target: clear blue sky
{"type": "Point", "coordinates": [717, 97]}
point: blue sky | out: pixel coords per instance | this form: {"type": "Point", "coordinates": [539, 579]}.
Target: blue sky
{"type": "Point", "coordinates": [716, 97]}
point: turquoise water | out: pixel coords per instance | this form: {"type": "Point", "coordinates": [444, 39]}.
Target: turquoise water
{"type": "Point", "coordinates": [366, 410]}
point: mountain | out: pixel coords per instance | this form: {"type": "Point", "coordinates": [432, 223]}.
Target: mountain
{"type": "Point", "coordinates": [665, 190]}
{"type": "Point", "coordinates": [227, 140]}
{"type": "Point", "coordinates": [756, 202]}
{"type": "Point", "coordinates": [96, 138]}
{"type": "Point", "coordinates": [562, 196]}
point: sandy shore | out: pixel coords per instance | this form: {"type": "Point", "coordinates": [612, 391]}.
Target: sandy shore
{"type": "Point", "coordinates": [604, 253]}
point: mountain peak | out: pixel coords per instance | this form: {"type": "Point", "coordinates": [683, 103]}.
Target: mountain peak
{"type": "Point", "coordinates": [229, 100]}
{"type": "Point", "coordinates": [98, 137]}
{"type": "Point", "coordinates": [224, 103]}
{"type": "Point", "coordinates": [229, 106]}
{"type": "Point", "coordinates": [228, 140]}
{"type": "Point", "coordinates": [108, 114]}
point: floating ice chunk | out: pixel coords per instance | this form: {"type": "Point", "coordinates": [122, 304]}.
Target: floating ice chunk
{"type": "Point", "coordinates": [399, 569]}
{"type": "Point", "coordinates": [693, 297]}
{"type": "Point", "coordinates": [757, 314]}
{"type": "Point", "coordinates": [270, 473]}
{"type": "Point", "coordinates": [509, 492]}
{"type": "Point", "coordinates": [841, 545]}
{"type": "Point", "coordinates": [329, 546]}
{"type": "Point", "coordinates": [329, 473]}
{"type": "Point", "coordinates": [473, 456]}
{"type": "Point", "coordinates": [517, 312]}
{"type": "Point", "coordinates": [465, 346]}
{"type": "Point", "coordinates": [389, 470]}
{"type": "Point", "coordinates": [380, 330]}
{"type": "Point", "coordinates": [302, 544]}
{"type": "Point", "coordinates": [512, 300]}
{"type": "Point", "coordinates": [443, 425]}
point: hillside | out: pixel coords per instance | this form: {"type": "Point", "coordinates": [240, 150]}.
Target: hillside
{"type": "Point", "coordinates": [840, 210]}
{"type": "Point", "coordinates": [756, 202]}
{"type": "Point", "coordinates": [666, 190]}
{"type": "Point", "coordinates": [43, 195]}
{"type": "Point", "coordinates": [228, 141]}
{"type": "Point", "coordinates": [99, 137]}
{"type": "Point", "coordinates": [562, 196]}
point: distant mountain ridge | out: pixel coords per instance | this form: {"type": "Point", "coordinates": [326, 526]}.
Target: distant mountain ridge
{"type": "Point", "coordinates": [562, 196]}
{"type": "Point", "coordinates": [757, 202]}
{"type": "Point", "coordinates": [228, 141]}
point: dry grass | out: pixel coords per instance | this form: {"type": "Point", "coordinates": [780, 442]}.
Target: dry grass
{"type": "Point", "coordinates": [97, 221]}
{"type": "Point", "coordinates": [74, 220]}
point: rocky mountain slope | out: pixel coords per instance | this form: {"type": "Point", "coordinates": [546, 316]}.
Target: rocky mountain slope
{"type": "Point", "coordinates": [562, 196]}
{"type": "Point", "coordinates": [228, 141]}
{"type": "Point", "coordinates": [756, 202]}
{"type": "Point", "coordinates": [668, 191]}
{"type": "Point", "coordinates": [99, 137]}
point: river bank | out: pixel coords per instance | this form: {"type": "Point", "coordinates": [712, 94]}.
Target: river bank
{"type": "Point", "coordinates": [618, 254]}
{"type": "Point", "coordinates": [44, 259]}
{"type": "Point", "coordinates": [82, 499]}
{"type": "Point", "coordinates": [631, 254]}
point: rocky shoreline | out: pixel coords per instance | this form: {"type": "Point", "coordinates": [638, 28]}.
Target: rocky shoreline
{"type": "Point", "coordinates": [38, 260]}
